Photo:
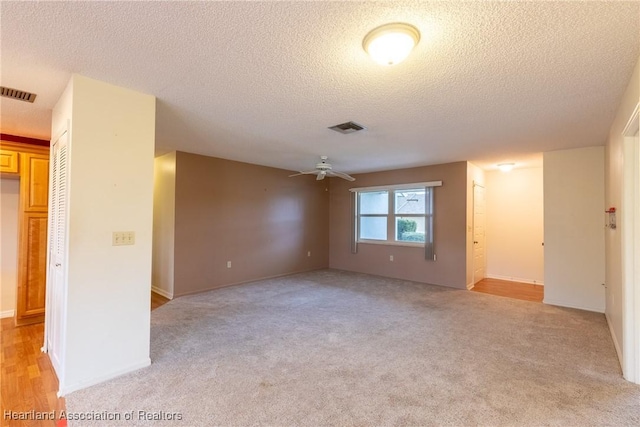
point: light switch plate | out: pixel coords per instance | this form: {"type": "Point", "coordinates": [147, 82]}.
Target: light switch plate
{"type": "Point", "coordinates": [121, 238]}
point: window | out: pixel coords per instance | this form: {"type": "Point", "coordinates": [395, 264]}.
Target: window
{"type": "Point", "coordinates": [393, 215]}
{"type": "Point", "coordinates": [410, 217]}
{"type": "Point", "coordinates": [398, 214]}
{"type": "Point", "coordinates": [374, 210]}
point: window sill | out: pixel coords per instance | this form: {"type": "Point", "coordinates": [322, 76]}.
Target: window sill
{"type": "Point", "coordinates": [391, 243]}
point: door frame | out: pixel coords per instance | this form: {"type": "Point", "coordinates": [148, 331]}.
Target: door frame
{"type": "Point", "coordinates": [473, 234]}
{"type": "Point", "coordinates": [630, 229]}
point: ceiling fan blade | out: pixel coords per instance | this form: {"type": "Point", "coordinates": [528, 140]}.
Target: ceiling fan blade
{"type": "Point", "coordinates": [321, 176]}
{"type": "Point", "coordinates": [342, 175]}
{"type": "Point", "coordinates": [304, 173]}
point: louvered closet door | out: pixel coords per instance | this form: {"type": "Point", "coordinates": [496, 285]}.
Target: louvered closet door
{"type": "Point", "coordinates": [57, 249]}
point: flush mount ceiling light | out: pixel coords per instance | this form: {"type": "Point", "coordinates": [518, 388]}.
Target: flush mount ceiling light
{"type": "Point", "coordinates": [506, 167]}
{"type": "Point", "coordinates": [390, 44]}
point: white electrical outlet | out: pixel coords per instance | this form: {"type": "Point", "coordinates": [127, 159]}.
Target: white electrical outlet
{"type": "Point", "coordinates": [390, 257]}
{"type": "Point", "coordinates": [228, 264]}
{"type": "Point", "coordinates": [308, 253]}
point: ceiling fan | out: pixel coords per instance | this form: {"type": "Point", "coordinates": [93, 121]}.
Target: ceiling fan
{"type": "Point", "coordinates": [323, 169]}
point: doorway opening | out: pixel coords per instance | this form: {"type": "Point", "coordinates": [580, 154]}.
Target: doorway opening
{"type": "Point", "coordinates": [508, 232]}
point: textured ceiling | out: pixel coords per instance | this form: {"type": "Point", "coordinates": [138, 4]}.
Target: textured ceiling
{"type": "Point", "coordinates": [261, 82]}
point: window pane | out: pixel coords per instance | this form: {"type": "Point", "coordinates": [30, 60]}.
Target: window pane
{"type": "Point", "coordinates": [410, 229]}
{"type": "Point", "coordinates": [373, 227]}
{"type": "Point", "coordinates": [410, 201]}
{"type": "Point", "coordinates": [374, 202]}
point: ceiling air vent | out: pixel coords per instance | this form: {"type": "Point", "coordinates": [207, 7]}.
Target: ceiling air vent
{"type": "Point", "coordinates": [349, 127]}
{"type": "Point", "coordinates": [20, 95]}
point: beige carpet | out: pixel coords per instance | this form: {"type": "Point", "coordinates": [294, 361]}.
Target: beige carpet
{"type": "Point", "coordinates": [337, 348]}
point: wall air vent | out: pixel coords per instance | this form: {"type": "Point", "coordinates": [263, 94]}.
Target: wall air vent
{"type": "Point", "coordinates": [348, 127]}
{"type": "Point", "coordinates": [20, 95]}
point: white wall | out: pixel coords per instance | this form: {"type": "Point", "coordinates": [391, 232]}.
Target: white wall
{"type": "Point", "coordinates": [10, 189]}
{"type": "Point", "coordinates": [613, 238]}
{"type": "Point", "coordinates": [574, 228]}
{"type": "Point", "coordinates": [164, 224]}
{"type": "Point", "coordinates": [515, 226]}
{"type": "Point", "coordinates": [111, 153]}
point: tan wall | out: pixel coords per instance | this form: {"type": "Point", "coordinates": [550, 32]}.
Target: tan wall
{"type": "Point", "coordinates": [164, 219]}
{"type": "Point", "coordinates": [515, 225]}
{"type": "Point", "coordinates": [254, 216]}
{"type": "Point", "coordinates": [613, 197]}
{"type": "Point", "coordinates": [409, 263]}
{"type": "Point", "coordinates": [105, 315]}
{"type": "Point", "coordinates": [573, 228]}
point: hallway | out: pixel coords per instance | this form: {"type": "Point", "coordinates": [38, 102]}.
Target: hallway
{"type": "Point", "coordinates": [505, 288]}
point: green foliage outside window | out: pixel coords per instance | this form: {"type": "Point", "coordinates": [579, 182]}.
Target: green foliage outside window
{"type": "Point", "coordinates": [406, 225]}
{"type": "Point", "coordinates": [410, 236]}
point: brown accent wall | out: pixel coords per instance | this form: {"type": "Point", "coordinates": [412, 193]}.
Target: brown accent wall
{"type": "Point", "coordinates": [24, 140]}
{"type": "Point", "coordinates": [254, 216]}
{"type": "Point", "coordinates": [450, 226]}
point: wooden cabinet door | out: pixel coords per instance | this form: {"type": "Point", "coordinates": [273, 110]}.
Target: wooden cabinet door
{"type": "Point", "coordinates": [9, 162]}
{"type": "Point", "coordinates": [34, 203]}
{"type": "Point", "coordinates": [32, 268]}
{"type": "Point", "coordinates": [35, 185]}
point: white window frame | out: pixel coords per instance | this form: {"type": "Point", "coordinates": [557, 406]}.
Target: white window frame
{"type": "Point", "coordinates": [360, 215]}
{"type": "Point", "coordinates": [394, 221]}
{"type": "Point", "coordinates": [391, 216]}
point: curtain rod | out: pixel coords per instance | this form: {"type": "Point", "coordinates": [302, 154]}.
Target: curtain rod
{"type": "Point", "coordinates": [399, 186]}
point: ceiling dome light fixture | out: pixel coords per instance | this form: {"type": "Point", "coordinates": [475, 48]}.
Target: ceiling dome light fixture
{"type": "Point", "coordinates": [506, 167]}
{"type": "Point", "coordinates": [390, 44]}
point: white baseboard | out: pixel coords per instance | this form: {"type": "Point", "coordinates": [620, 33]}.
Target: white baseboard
{"type": "Point", "coordinates": [616, 345]}
{"type": "Point", "coordinates": [64, 390]}
{"type": "Point", "coordinates": [514, 279]}
{"type": "Point", "coordinates": [162, 292]}
{"type": "Point", "coordinates": [6, 313]}
{"type": "Point", "coordinates": [569, 305]}
{"type": "Point", "coordinates": [470, 286]}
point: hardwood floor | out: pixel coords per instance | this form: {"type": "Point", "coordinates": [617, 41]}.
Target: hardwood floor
{"type": "Point", "coordinates": [505, 288]}
{"type": "Point", "coordinates": [27, 380]}
{"type": "Point", "coordinates": [157, 300]}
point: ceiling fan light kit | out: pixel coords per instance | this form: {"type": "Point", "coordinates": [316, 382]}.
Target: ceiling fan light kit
{"type": "Point", "coordinates": [324, 169]}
